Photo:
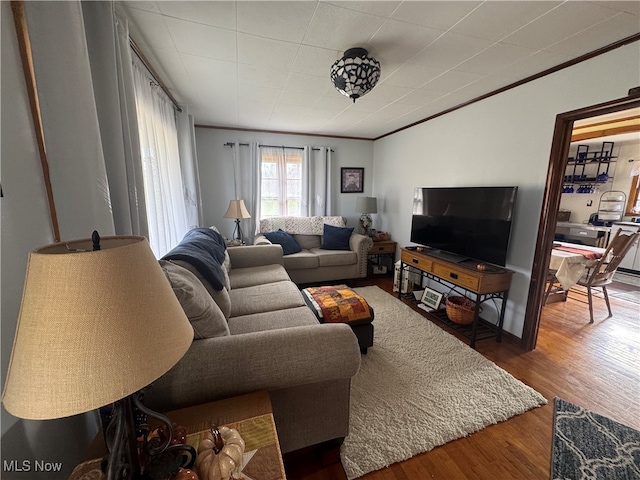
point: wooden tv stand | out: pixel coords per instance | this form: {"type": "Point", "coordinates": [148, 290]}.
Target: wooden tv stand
{"type": "Point", "coordinates": [491, 283]}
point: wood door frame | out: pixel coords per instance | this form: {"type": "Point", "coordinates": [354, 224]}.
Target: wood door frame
{"type": "Point", "coordinates": [551, 203]}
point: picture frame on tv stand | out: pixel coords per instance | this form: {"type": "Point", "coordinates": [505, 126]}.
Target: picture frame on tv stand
{"type": "Point", "coordinates": [431, 298]}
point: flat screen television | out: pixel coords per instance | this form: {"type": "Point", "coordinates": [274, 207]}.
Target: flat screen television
{"type": "Point", "coordinates": [461, 223]}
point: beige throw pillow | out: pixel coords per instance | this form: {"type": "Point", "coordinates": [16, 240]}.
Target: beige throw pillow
{"type": "Point", "coordinates": [205, 316]}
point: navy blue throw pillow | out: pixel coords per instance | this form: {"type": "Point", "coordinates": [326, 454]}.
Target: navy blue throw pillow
{"type": "Point", "coordinates": [336, 238]}
{"type": "Point", "coordinates": [289, 244]}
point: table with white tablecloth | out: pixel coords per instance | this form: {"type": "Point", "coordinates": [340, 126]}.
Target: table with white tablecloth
{"type": "Point", "coordinates": [569, 266]}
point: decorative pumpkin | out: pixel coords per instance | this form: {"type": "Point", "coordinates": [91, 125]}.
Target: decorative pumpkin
{"type": "Point", "coordinates": [220, 454]}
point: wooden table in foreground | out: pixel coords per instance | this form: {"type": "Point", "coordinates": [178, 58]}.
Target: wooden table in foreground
{"type": "Point", "coordinates": [250, 414]}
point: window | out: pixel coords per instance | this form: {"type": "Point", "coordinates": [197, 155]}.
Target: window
{"type": "Point", "coordinates": [281, 182]}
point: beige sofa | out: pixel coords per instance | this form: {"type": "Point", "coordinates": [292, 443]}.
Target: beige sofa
{"type": "Point", "coordinates": [314, 263]}
{"type": "Point", "coordinates": [257, 333]}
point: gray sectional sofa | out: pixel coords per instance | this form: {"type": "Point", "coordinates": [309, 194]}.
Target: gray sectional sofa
{"type": "Point", "coordinates": [256, 333]}
{"type": "Point", "coordinates": [313, 263]}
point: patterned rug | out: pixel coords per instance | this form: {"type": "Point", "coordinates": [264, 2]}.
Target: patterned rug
{"type": "Point", "coordinates": [590, 446]}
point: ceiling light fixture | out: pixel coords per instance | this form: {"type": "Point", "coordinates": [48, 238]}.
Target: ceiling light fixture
{"type": "Point", "coordinates": [355, 74]}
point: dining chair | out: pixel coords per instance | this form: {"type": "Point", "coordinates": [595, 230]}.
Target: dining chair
{"type": "Point", "coordinates": [553, 285]}
{"type": "Point", "coordinates": [601, 274]}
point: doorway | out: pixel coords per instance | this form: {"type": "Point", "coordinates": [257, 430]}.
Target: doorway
{"type": "Point", "coordinates": [551, 203]}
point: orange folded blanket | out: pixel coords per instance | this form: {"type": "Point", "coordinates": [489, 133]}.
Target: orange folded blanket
{"type": "Point", "coordinates": [340, 304]}
{"type": "Point", "coordinates": [588, 254]}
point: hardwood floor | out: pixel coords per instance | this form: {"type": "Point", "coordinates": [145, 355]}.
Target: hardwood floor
{"type": "Point", "coordinates": [593, 365]}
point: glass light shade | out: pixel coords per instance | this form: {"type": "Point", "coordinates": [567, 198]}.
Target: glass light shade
{"type": "Point", "coordinates": [355, 74]}
{"type": "Point", "coordinates": [93, 327]}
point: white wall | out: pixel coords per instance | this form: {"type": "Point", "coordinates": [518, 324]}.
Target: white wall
{"type": "Point", "coordinates": [215, 166]}
{"type": "Point", "coordinates": [25, 217]}
{"type": "Point", "coordinates": [503, 140]}
{"type": "Point", "coordinates": [25, 225]}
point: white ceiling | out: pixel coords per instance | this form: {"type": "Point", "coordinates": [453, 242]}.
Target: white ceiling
{"type": "Point", "coordinates": [265, 64]}
{"type": "Point", "coordinates": [631, 137]}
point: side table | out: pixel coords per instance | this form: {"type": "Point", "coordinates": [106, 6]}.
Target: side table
{"type": "Point", "coordinates": [250, 414]}
{"type": "Point", "coordinates": [379, 250]}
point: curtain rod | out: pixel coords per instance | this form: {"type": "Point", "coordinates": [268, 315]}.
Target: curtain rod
{"type": "Point", "coordinates": [153, 73]}
{"type": "Point", "coordinates": [231, 144]}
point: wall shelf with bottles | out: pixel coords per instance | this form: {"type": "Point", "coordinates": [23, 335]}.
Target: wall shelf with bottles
{"type": "Point", "coordinates": [588, 167]}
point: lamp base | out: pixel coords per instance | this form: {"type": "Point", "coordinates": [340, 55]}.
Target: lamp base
{"type": "Point", "coordinates": [151, 457]}
{"type": "Point", "coordinates": [237, 232]}
{"type": "Point", "coordinates": [365, 224]}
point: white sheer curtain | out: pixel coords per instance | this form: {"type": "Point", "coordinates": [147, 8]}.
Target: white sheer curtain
{"type": "Point", "coordinates": [316, 185]}
{"type": "Point", "coordinates": [189, 167]}
{"type": "Point", "coordinates": [273, 180]}
{"type": "Point", "coordinates": [89, 116]}
{"type": "Point", "coordinates": [307, 205]}
{"type": "Point", "coordinates": [328, 204]}
{"type": "Point", "coordinates": [164, 193]}
{"type": "Point", "coordinates": [246, 172]}
{"type": "Point", "coordinates": [112, 78]}
{"type": "Point", "coordinates": [69, 117]}
{"type": "Point", "coordinates": [283, 180]}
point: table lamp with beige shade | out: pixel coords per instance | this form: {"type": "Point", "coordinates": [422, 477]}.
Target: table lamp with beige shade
{"type": "Point", "coordinates": [98, 322]}
{"type": "Point", "coordinates": [238, 210]}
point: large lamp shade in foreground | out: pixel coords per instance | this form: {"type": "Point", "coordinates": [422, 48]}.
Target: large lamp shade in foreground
{"type": "Point", "coordinates": [94, 327]}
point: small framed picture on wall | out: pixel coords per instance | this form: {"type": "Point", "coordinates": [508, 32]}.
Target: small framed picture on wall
{"type": "Point", "coordinates": [351, 180]}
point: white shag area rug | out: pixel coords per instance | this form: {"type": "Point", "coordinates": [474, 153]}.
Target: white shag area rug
{"type": "Point", "coordinates": [420, 387]}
